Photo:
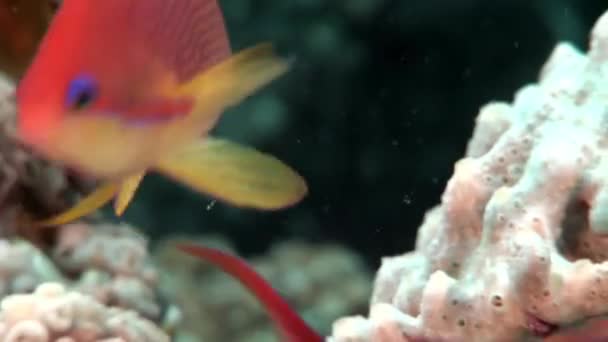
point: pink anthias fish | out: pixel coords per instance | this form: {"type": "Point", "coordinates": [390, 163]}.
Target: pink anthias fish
{"type": "Point", "coordinates": [122, 87]}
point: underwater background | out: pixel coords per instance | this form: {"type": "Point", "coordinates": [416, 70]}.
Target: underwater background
{"type": "Point", "coordinates": [378, 106]}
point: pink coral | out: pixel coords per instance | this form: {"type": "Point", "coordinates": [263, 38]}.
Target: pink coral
{"type": "Point", "coordinates": [53, 314]}
{"type": "Point", "coordinates": [23, 267]}
{"type": "Point", "coordinates": [111, 263]}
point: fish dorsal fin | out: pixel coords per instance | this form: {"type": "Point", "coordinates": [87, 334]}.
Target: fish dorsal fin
{"type": "Point", "coordinates": [189, 35]}
{"type": "Point", "coordinates": [186, 36]}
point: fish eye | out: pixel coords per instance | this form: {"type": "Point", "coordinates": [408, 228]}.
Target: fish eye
{"type": "Point", "coordinates": [82, 91]}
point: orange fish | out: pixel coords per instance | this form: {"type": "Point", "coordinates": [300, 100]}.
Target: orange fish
{"type": "Point", "coordinates": [290, 325]}
{"type": "Point", "coordinates": [22, 25]}
{"type": "Point", "coordinates": [122, 87]}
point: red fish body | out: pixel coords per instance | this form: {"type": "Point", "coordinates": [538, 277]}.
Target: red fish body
{"type": "Point", "coordinates": [122, 87]}
{"type": "Point", "coordinates": [133, 63]}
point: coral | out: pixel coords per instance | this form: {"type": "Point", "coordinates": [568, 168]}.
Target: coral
{"type": "Point", "coordinates": [516, 247]}
{"type": "Point", "coordinates": [20, 168]}
{"type": "Point", "coordinates": [217, 308]}
{"type": "Point", "coordinates": [51, 313]}
{"type": "Point", "coordinates": [29, 186]}
{"type": "Point", "coordinates": [23, 267]}
{"type": "Point", "coordinates": [110, 263]}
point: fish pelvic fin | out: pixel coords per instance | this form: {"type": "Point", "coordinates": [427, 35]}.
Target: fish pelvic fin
{"type": "Point", "coordinates": [288, 322]}
{"type": "Point", "coordinates": [236, 174]}
{"type": "Point", "coordinates": [92, 202]}
{"type": "Point", "coordinates": [127, 190]}
{"type": "Point", "coordinates": [230, 81]}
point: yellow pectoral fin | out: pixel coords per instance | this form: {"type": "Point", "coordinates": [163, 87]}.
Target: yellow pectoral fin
{"type": "Point", "coordinates": [230, 81]}
{"type": "Point", "coordinates": [126, 192]}
{"type": "Point", "coordinates": [236, 174]}
{"type": "Point", "coordinates": [86, 206]}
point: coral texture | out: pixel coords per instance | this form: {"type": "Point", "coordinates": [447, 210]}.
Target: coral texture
{"type": "Point", "coordinates": [109, 264]}
{"type": "Point", "coordinates": [52, 313]}
{"type": "Point", "coordinates": [515, 248]}
{"type": "Point", "coordinates": [29, 186]}
{"type": "Point", "coordinates": [23, 267]}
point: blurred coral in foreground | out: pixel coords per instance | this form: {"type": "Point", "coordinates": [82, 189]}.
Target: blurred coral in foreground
{"type": "Point", "coordinates": [53, 314]}
{"type": "Point", "coordinates": [515, 251]}
{"type": "Point", "coordinates": [96, 282]}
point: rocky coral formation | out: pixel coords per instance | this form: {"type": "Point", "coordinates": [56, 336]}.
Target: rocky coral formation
{"type": "Point", "coordinates": [23, 267]}
{"type": "Point", "coordinates": [111, 263]}
{"type": "Point", "coordinates": [52, 313]}
{"type": "Point", "coordinates": [217, 308]}
{"type": "Point", "coordinates": [516, 246]}
{"type": "Point", "coordinates": [29, 186]}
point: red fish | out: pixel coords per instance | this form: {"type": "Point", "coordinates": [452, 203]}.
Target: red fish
{"type": "Point", "coordinates": [122, 87]}
{"type": "Point", "coordinates": [291, 327]}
